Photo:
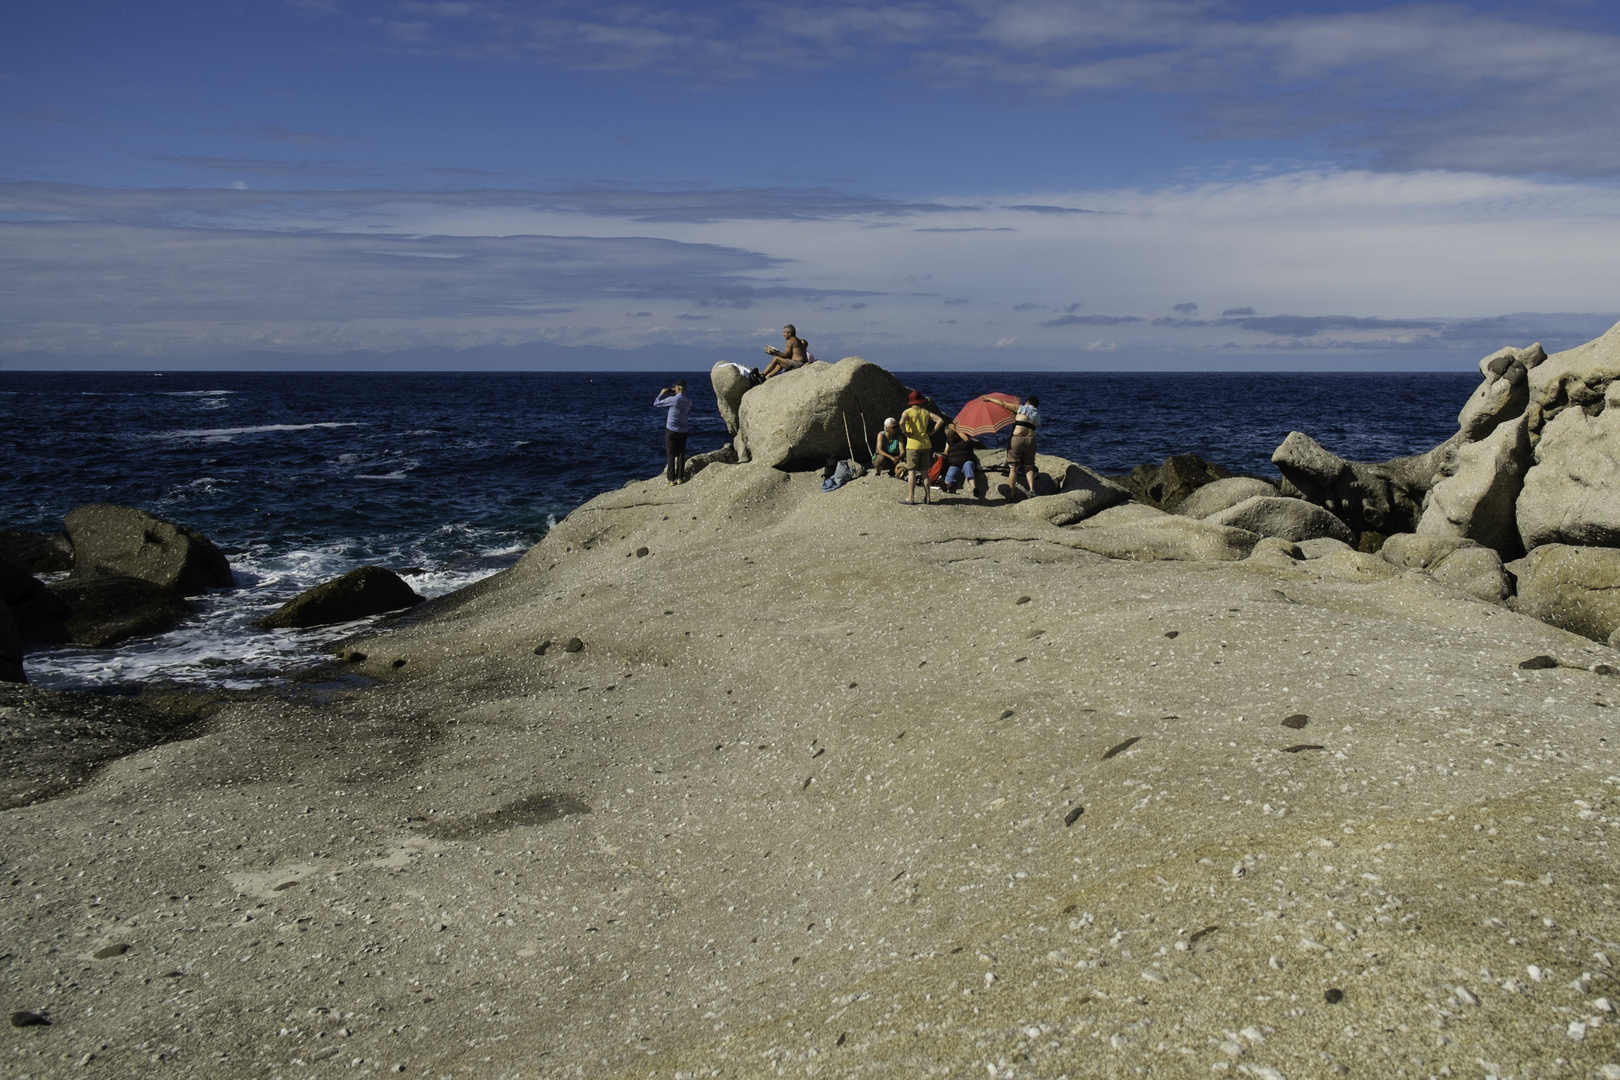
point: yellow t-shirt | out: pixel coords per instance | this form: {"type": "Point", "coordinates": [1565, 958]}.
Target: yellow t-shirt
{"type": "Point", "coordinates": [915, 422]}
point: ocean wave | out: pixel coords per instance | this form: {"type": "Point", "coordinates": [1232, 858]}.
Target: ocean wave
{"type": "Point", "coordinates": [195, 393]}
{"type": "Point", "coordinates": [226, 433]}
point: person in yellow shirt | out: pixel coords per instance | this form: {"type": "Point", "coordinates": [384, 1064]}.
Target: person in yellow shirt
{"type": "Point", "coordinates": [919, 422]}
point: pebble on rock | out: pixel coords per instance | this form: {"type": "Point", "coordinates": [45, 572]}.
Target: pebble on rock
{"type": "Point", "coordinates": [1296, 722]}
{"type": "Point", "coordinates": [540, 649]}
{"type": "Point", "coordinates": [1333, 995]}
{"type": "Point", "coordinates": [1172, 633]}
{"type": "Point", "coordinates": [1297, 747]}
{"type": "Point", "coordinates": [1021, 600]}
{"type": "Point", "coordinates": [641, 553]}
{"type": "Point", "coordinates": [1122, 747]}
{"type": "Point", "coordinates": [1538, 663]}
{"type": "Point", "coordinates": [574, 645]}
{"type": "Point", "coordinates": [21, 1018]}
{"type": "Point", "coordinates": [1073, 816]}
{"type": "Point", "coordinates": [110, 951]}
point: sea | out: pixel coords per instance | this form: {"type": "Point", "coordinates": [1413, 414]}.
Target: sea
{"type": "Point", "coordinates": [449, 477]}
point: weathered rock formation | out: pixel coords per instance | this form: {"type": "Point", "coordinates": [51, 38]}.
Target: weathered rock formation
{"type": "Point", "coordinates": [366, 591]}
{"type": "Point", "coordinates": [1076, 492]}
{"type": "Point", "coordinates": [1293, 520]}
{"type": "Point", "coordinates": [121, 541]}
{"type": "Point", "coordinates": [1575, 588]}
{"type": "Point", "coordinates": [1572, 493]}
{"type": "Point", "coordinates": [1220, 495]}
{"type": "Point", "coordinates": [37, 553]}
{"type": "Point", "coordinates": [1474, 495]}
{"type": "Point", "coordinates": [801, 417]}
{"type": "Point", "coordinates": [729, 385]}
{"type": "Point", "coordinates": [1166, 485]}
{"type": "Point", "coordinates": [1381, 498]}
{"type": "Point", "coordinates": [1139, 532]}
{"type": "Point", "coordinates": [99, 611]}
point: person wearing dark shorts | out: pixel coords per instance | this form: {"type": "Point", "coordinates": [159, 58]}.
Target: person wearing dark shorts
{"type": "Point", "coordinates": [679, 405]}
{"type": "Point", "coordinates": [1021, 447]}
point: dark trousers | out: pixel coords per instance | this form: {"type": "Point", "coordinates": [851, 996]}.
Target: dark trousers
{"type": "Point", "coordinates": [675, 453]}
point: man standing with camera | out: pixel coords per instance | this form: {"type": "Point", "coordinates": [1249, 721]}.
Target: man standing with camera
{"type": "Point", "coordinates": [679, 405]}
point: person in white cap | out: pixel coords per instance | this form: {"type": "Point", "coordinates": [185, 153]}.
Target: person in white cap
{"type": "Point", "coordinates": [890, 449]}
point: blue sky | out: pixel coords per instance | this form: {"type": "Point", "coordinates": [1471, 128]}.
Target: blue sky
{"type": "Point", "coordinates": [1095, 183]}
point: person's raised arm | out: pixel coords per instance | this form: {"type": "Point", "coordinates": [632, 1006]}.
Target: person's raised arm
{"type": "Point", "coordinates": [998, 401]}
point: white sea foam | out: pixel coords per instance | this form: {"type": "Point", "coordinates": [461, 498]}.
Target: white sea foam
{"type": "Point", "coordinates": [195, 393]}
{"type": "Point", "coordinates": [383, 476]}
{"type": "Point", "coordinates": [228, 433]}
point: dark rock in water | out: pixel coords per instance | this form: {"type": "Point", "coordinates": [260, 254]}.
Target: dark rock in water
{"type": "Point", "coordinates": [17, 584]}
{"type": "Point", "coordinates": [99, 611]}
{"type": "Point", "coordinates": [20, 1018]}
{"type": "Point", "coordinates": [369, 590]}
{"type": "Point", "coordinates": [1296, 722]}
{"type": "Point", "coordinates": [11, 667]}
{"type": "Point", "coordinates": [121, 541]}
{"type": "Point", "coordinates": [1386, 497]}
{"type": "Point", "coordinates": [37, 553]}
{"type": "Point", "coordinates": [1538, 663]}
{"type": "Point", "coordinates": [1168, 484]}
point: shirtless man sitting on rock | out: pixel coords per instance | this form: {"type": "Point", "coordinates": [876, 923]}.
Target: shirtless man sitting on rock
{"type": "Point", "coordinates": [795, 355]}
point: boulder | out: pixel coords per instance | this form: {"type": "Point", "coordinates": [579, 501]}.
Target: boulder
{"type": "Point", "coordinates": [1578, 377]}
{"type": "Point", "coordinates": [99, 611]}
{"type": "Point", "coordinates": [1315, 549]}
{"type": "Point", "coordinates": [1077, 493]}
{"type": "Point", "coordinates": [1419, 551]}
{"type": "Point", "coordinates": [726, 455]}
{"type": "Point", "coordinates": [121, 541]}
{"type": "Point", "coordinates": [1135, 531]}
{"type": "Point", "coordinates": [11, 648]}
{"type": "Point", "coordinates": [17, 585]}
{"type": "Point", "coordinates": [1353, 566]}
{"type": "Point", "coordinates": [1293, 520]}
{"type": "Point", "coordinates": [1504, 393]}
{"type": "Point", "coordinates": [1166, 485]}
{"type": "Point", "coordinates": [1477, 571]}
{"type": "Point", "coordinates": [800, 417]}
{"type": "Point", "coordinates": [1384, 497]}
{"type": "Point", "coordinates": [369, 590]}
{"type": "Point", "coordinates": [37, 553]}
{"type": "Point", "coordinates": [1476, 501]}
{"type": "Point", "coordinates": [730, 385]}
{"type": "Point", "coordinates": [1576, 588]}
{"type": "Point", "coordinates": [1572, 493]}
{"type": "Point", "coordinates": [1220, 495]}
{"type": "Point", "coordinates": [1272, 551]}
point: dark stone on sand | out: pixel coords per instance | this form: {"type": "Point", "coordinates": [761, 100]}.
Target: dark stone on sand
{"type": "Point", "coordinates": [121, 541]}
{"type": "Point", "coordinates": [21, 1018]}
{"type": "Point", "coordinates": [37, 553]}
{"type": "Point", "coordinates": [641, 553]}
{"type": "Point", "coordinates": [1333, 995]}
{"type": "Point", "coordinates": [1122, 747]}
{"type": "Point", "coordinates": [369, 590]}
{"type": "Point", "coordinates": [1538, 663]}
{"type": "Point", "coordinates": [1296, 722]}
{"type": "Point", "coordinates": [1605, 669]}
{"type": "Point", "coordinates": [1022, 600]}
{"type": "Point", "coordinates": [110, 951]}
{"type": "Point", "coordinates": [1073, 816]}
{"type": "Point", "coordinates": [1172, 633]}
{"type": "Point", "coordinates": [99, 611]}
{"type": "Point", "coordinates": [574, 645]}
{"type": "Point", "coordinates": [1297, 747]}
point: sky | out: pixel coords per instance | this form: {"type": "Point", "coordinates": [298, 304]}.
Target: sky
{"type": "Point", "coordinates": [1090, 184]}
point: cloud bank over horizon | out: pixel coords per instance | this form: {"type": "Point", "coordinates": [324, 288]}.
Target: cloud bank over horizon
{"type": "Point", "coordinates": [1120, 183]}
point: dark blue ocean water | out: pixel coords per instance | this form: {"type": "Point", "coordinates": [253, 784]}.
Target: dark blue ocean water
{"type": "Point", "coordinates": [302, 476]}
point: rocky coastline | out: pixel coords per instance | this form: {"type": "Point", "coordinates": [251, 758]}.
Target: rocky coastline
{"type": "Point", "coordinates": [1172, 771]}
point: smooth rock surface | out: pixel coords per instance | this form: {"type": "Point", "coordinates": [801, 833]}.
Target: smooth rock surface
{"type": "Point", "coordinates": [1419, 551]}
{"type": "Point", "coordinates": [799, 417]}
{"type": "Point", "coordinates": [726, 455]}
{"type": "Point", "coordinates": [55, 740]}
{"type": "Point", "coordinates": [1294, 520]}
{"type": "Point", "coordinates": [1137, 531]}
{"type": "Point", "coordinates": [359, 594]}
{"type": "Point", "coordinates": [1477, 502]}
{"type": "Point", "coordinates": [1502, 395]}
{"type": "Point", "coordinates": [729, 387]}
{"type": "Point", "coordinates": [1575, 588]}
{"type": "Point", "coordinates": [1315, 549]}
{"type": "Point", "coordinates": [121, 541]}
{"type": "Point", "coordinates": [1477, 571]}
{"type": "Point", "coordinates": [1078, 492]}
{"type": "Point", "coordinates": [37, 553]}
{"type": "Point", "coordinates": [818, 766]}
{"type": "Point", "coordinates": [1220, 495]}
{"type": "Point", "coordinates": [1571, 495]}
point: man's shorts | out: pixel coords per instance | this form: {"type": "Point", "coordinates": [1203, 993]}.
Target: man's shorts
{"type": "Point", "coordinates": [1021, 452]}
{"type": "Point", "coordinates": [919, 458]}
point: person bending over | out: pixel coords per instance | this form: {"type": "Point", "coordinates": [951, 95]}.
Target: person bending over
{"type": "Point", "coordinates": [962, 464]}
{"type": "Point", "coordinates": [795, 352]}
{"type": "Point", "coordinates": [919, 422]}
{"type": "Point", "coordinates": [891, 449]}
{"type": "Point", "coordinates": [679, 405]}
{"type": "Point", "coordinates": [1021, 447]}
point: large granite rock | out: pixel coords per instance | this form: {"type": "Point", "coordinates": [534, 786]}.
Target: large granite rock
{"type": "Point", "coordinates": [1166, 485]}
{"type": "Point", "coordinates": [1459, 564]}
{"type": "Point", "coordinates": [37, 553]}
{"type": "Point", "coordinates": [121, 541]}
{"type": "Point", "coordinates": [1077, 493]}
{"type": "Point", "coordinates": [1502, 395]}
{"type": "Point", "coordinates": [726, 455]}
{"type": "Point", "coordinates": [1136, 531]}
{"type": "Point", "coordinates": [11, 648]}
{"type": "Point", "coordinates": [1220, 495]}
{"type": "Point", "coordinates": [99, 611]}
{"type": "Point", "coordinates": [1572, 493]}
{"type": "Point", "coordinates": [1576, 588]}
{"type": "Point", "coordinates": [729, 385]}
{"type": "Point", "coordinates": [1293, 520]}
{"type": "Point", "coordinates": [800, 417]}
{"type": "Point", "coordinates": [1476, 500]}
{"type": "Point", "coordinates": [1577, 377]}
{"type": "Point", "coordinates": [369, 590]}
{"type": "Point", "coordinates": [1384, 497]}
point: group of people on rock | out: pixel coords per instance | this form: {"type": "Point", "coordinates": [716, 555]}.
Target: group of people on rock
{"type": "Point", "coordinates": [906, 446]}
